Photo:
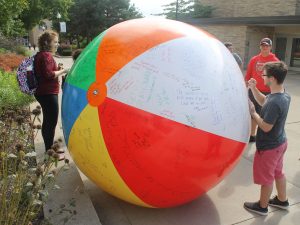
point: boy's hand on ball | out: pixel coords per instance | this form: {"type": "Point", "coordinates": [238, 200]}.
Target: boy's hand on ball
{"type": "Point", "coordinates": [251, 107]}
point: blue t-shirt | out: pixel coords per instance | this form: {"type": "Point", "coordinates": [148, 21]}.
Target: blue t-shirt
{"type": "Point", "coordinates": [274, 111]}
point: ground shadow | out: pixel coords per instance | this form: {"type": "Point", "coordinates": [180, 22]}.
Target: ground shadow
{"type": "Point", "coordinates": [112, 211]}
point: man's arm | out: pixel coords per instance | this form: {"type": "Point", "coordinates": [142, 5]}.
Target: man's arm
{"type": "Point", "coordinates": [248, 74]}
{"type": "Point", "coordinates": [266, 127]}
{"type": "Point", "coordinates": [259, 97]}
{"type": "Point", "coordinates": [249, 71]}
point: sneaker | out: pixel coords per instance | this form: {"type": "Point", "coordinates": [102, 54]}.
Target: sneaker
{"type": "Point", "coordinates": [255, 207]}
{"type": "Point", "coordinates": [252, 139]}
{"type": "Point", "coordinates": [279, 204]}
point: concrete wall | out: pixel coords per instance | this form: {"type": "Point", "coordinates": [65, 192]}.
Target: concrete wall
{"type": "Point", "coordinates": [253, 8]}
{"type": "Point", "coordinates": [245, 39]}
{"type": "Point", "coordinates": [234, 34]}
{"type": "Point", "coordinates": [295, 30]}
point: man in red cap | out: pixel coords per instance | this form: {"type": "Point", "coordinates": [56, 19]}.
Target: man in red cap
{"type": "Point", "coordinates": [254, 70]}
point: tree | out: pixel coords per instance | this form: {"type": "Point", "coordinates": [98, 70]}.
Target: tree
{"type": "Point", "coordinates": [19, 16]}
{"type": "Point", "coordinates": [10, 10]}
{"type": "Point", "coordinates": [88, 18]}
{"type": "Point", "coordinates": [39, 10]}
{"type": "Point", "coordinates": [180, 9]}
{"type": "Point", "coordinates": [119, 10]}
{"type": "Point", "coordinates": [200, 11]}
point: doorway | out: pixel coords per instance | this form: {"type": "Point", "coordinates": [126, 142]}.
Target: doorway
{"type": "Point", "coordinates": [295, 54]}
{"type": "Point", "coordinates": [287, 49]}
{"type": "Point", "coordinates": [280, 50]}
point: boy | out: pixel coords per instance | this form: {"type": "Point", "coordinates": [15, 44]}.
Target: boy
{"type": "Point", "coordinates": [75, 55]}
{"type": "Point", "coordinates": [271, 142]}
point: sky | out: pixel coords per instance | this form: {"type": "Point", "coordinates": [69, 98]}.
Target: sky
{"type": "Point", "coordinates": [148, 7]}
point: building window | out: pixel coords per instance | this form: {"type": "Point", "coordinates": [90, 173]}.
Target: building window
{"type": "Point", "coordinates": [295, 57]}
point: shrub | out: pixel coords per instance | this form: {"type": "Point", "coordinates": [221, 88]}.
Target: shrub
{"type": "Point", "coordinates": [3, 50]}
{"type": "Point", "coordinates": [84, 43]}
{"type": "Point", "coordinates": [74, 46]}
{"type": "Point", "coordinates": [22, 50]}
{"type": "Point", "coordinates": [11, 45]}
{"type": "Point", "coordinates": [8, 44]}
{"type": "Point", "coordinates": [24, 184]}
{"type": "Point", "coordinates": [10, 61]}
{"type": "Point", "coordinates": [64, 50]}
{"type": "Point", "coordinates": [11, 96]}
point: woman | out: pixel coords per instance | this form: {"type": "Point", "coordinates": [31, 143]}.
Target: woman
{"type": "Point", "coordinates": [48, 85]}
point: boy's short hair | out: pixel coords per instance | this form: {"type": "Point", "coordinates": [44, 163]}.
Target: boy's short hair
{"type": "Point", "coordinates": [76, 54]}
{"type": "Point", "coordinates": [278, 70]}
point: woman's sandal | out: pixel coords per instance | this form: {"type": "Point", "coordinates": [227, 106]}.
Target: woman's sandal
{"type": "Point", "coordinates": [60, 151]}
{"type": "Point", "coordinates": [61, 157]}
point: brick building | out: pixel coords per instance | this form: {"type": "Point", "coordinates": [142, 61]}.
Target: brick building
{"type": "Point", "coordinates": [246, 22]}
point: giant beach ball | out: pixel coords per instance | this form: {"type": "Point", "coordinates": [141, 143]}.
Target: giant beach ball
{"type": "Point", "coordinates": [155, 112]}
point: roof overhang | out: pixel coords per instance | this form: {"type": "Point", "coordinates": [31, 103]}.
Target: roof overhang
{"type": "Point", "coordinates": [265, 20]}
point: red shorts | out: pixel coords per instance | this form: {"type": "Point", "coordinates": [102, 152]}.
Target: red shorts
{"type": "Point", "coordinates": [267, 165]}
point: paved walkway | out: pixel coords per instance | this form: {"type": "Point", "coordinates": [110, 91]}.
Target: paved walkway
{"type": "Point", "coordinates": [223, 204]}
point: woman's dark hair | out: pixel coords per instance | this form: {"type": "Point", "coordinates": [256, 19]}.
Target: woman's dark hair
{"type": "Point", "coordinates": [45, 40]}
{"type": "Point", "coordinates": [278, 70]}
{"type": "Point", "coordinates": [76, 53]}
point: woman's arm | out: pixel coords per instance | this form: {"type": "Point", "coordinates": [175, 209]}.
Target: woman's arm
{"type": "Point", "coordinates": [60, 72]}
{"type": "Point", "coordinates": [49, 67]}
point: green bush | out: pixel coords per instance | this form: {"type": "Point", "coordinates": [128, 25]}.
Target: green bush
{"type": "Point", "coordinates": [84, 43]}
{"type": "Point", "coordinates": [66, 52]}
{"type": "Point", "coordinates": [10, 94]}
{"type": "Point", "coordinates": [3, 50]}
{"type": "Point", "coordinates": [74, 46]}
{"type": "Point", "coordinates": [11, 45]}
{"type": "Point", "coordinates": [8, 43]}
{"type": "Point", "coordinates": [22, 50]}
